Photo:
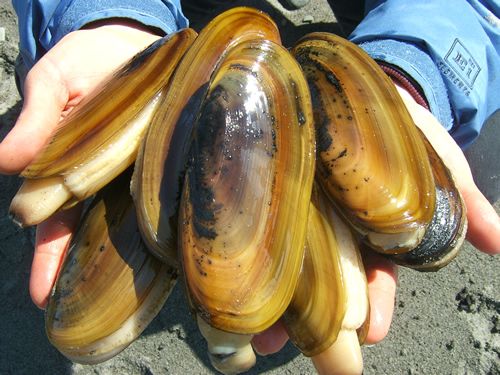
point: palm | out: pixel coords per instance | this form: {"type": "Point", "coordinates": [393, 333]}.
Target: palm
{"type": "Point", "coordinates": [66, 74]}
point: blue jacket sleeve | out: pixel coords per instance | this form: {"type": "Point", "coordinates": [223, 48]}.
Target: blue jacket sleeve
{"type": "Point", "coordinates": [451, 49]}
{"type": "Point", "coordinates": [42, 23]}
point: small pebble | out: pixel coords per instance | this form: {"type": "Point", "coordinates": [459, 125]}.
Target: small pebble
{"type": "Point", "coordinates": [496, 324]}
{"type": "Point", "coordinates": [2, 34]}
{"type": "Point", "coordinates": [308, 19]}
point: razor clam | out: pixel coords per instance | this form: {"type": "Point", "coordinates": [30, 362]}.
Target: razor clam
{"type": "Point", "coordinates": [372, 159]}
{"type": "Point", "coordinates": [100, 137]}
{"type": "Point", "coordinates": [330, 303]}
{"type": "Point", "coordinates": [246, 194]}
{"type": "Point", "coordinates": [161, 160]}
{"type": "Point", "coordinates": [109, 287]}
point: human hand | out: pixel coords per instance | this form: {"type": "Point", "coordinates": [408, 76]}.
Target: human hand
{"type": "Point", "coordinates": [53, 87]}
{"type": "Point", "coordinates": [53, 235]}
{"type": "Point", "coordinates": [483, 232]}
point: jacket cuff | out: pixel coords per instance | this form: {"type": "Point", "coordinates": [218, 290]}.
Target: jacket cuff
{"type": "Point", "coordinates": [419, 66]}
{"type": "Point", "coordinates": [163, 15]}
{"type": "Point", "coordinates": [406, 82]}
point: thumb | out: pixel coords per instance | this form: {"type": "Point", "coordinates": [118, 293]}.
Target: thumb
{"type": "Point", "coordinates": [45, 98]}
{"type": "Point", "coordinates": [483, 222]}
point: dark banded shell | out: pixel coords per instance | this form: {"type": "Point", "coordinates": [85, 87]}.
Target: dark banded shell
{"type": "Point", "coordinates": [247, 191]}
{"type": "Point", "coordinates": [371, 158]}
{"type": "Point", "coordinates": [446, 232]}
{"type": "Point", "coordinates": [374, 162]}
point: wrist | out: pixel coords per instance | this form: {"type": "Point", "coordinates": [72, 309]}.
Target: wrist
{"type": "Point", "coordinates": [122, 37]}
{"type": "Point", "coordinates": [124, 23]}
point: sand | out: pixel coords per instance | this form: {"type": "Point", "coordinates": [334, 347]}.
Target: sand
{"type": "Point", "coordinates": [445, 322]}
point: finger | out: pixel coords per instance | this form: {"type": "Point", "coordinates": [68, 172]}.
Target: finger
{"type": "Point", "coordinates": [52, 240]}
{"type": "Point", "coordinates": [483, 230]}
{"type": "Point", "coordinates": [381, 275]}
{"type": "Point", "coordinates": [45, 98]}
{"type": "Point", "coordinates": [483, 221]}
{"type": "Point", "coordinates": [271, 340]}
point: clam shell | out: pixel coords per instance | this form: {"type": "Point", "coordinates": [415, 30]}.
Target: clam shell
{"type": "Point", "coordinates": [161, 161]}
{"type": "Point", "coordinates": [330, 305]}
{"type": "Point", "coordinates": [99, 139]}
{"type": "Point", "coordinates": [314, 317]}
{"type": "Point", "coordinates": [99, 119]}
{"type": "Point", "coordinates": [379, 170]}
{"type": "Point", "coordinates": [372, 160]}
{"type": "Point", "coordinates": [245, 201]}
{"type": "Point", "coordinates": [109, 287]}
{"type": "Point", "coordinates": [446, 232]}
{"type": "Point", "coordinates": [344, 355]}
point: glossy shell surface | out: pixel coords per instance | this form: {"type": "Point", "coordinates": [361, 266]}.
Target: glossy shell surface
{"type": "Point", "coordinates": [314, 316]}
{"type": "Point", "coordinates": [109, 287]}
{"type": "Point", "coordinates": [159, 168]}
{"type": "Point", "coordinates": [247, 190]}
{"type": "Point", "coordinates": [371, 158]}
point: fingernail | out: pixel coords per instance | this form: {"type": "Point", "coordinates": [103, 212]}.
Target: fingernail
{"type": "Point", "coordinates": [258, 352]}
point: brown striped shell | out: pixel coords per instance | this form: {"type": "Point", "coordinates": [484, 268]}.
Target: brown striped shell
{"type": "Point", "coordinates": [109, 287]}
{"type": "Point", "coordinates": [159, 167]}
{"type": "Point", "coordinates": [246, 195]}
{"type": "Point", "coordinates": [372, 160]}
